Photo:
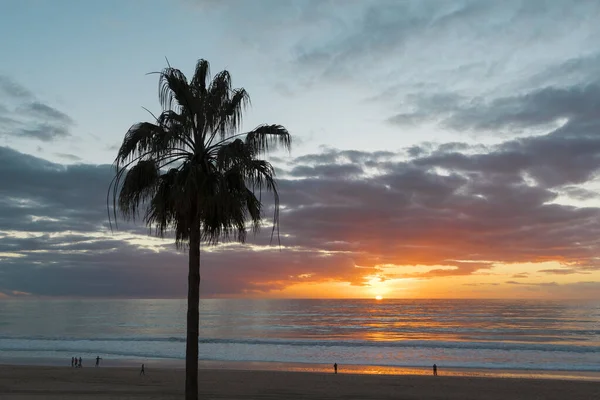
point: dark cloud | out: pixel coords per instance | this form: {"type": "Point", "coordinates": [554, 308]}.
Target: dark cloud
{"type": "Point", "coordinates": [540, 107]}
{"type": "Point", "coordinates": [43, 132]}
{"type": "Point", "coordinates": [578, 105]}
{"type": "Point", "coordinates": [566, 157]}
{"type": "Point", "coordinates": [550, 160]}
{"type": "Point", "coordinates": [22, 115]}
{"type": "Point", "coordinates": [531, 284]}
{"type": "Point", "coordinates": [432, 107]}
{"type": "Point", "coordinates": [12, 89]}
{"type": "Point", "coordinates": [458, 270]}
{"type": "Point", "coordinates": [68, 197]}
{"type": "Point", "coordinates": [562, 271]}
{"type": "Point", "coordinates": [127, 271]}
{"type": "Point", "coordinates": [445, 206]}
{"type": "Point", "coordinates": [44, 111]}
{"type": "Point", "coordinates": [569, 72]}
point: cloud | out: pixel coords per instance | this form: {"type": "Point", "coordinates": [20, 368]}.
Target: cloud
{"type": "Point", "coordinates": [12, 89]}
{"type": "Point", "coordinates": [458, 269]}
{"type": "Point", "coordinates": [531, 284]}
{"type": "Point", "coordinates": [577, 105]}
{"type": "Point", "coordinates": [422, 44]}
{"type": "Point", "coordinates": [565, 156]}
{"type": "Point", "coordinates": [582, 68]}
{"type": "Point", "coordinates": [580, 193]}
{"type": "Point", "coordinates": [68, 197]}
{"type": "Point", "coordinates": [481, 284]}
{"type": "Point", "coordinates": [541, 107]}
{"type": "Point", "coordinates": [562, 271]}
{"type": "Point", "coordinates": [46, 112]}
{"type": "Point", "coordinates": [17, 293]}
{"type": "Point", "coordinates": [43, 132]}
{"type": "Point", "coordinates": [22, 115]}
{"type": "Point", "coordinates": [346, 215]}
{"type": "Point", "coordinates": [326, 171]}
{"type": "Point", "coordinates": [69, 157]}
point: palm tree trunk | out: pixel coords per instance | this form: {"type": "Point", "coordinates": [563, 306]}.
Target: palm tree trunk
{"type": "Point", "coordinates": [193, 318]}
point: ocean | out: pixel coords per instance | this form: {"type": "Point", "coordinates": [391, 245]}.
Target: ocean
{"type": "Point", "coordinates": [369, 335]}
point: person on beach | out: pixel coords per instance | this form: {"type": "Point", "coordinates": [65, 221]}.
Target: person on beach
{"type": "Point", "coordinates": [142, 370]}
{"type": "Point", "coordinates": [434, 370]}
{"type": "Point", "coordinates": [335, 368]}
{"type": "Point", "coordinates": [72, 362]}
{"type": "Point", "coordinates": [80, 365]}
{"type": "Point", "coordinates": [98, 360]}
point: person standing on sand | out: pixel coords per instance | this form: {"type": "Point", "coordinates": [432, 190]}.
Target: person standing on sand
{"type": "Point", "coordinates": [98, 360]}
{"type": "Point", "coordinates": [72, 362]}
{"type": "Point", "coordinates": [80, 365]}
{"type": "Point", "coordinates": [335, 368]}
{"type": "Point", "coordinates": [142, 370]}
{"type": "Point", "coordinates": [434, 370]}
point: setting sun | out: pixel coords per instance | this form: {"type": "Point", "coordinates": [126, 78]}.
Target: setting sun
{"type": "Point", "coordinates": [378, 297]}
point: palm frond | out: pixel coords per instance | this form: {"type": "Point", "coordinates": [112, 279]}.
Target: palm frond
{"type": "Point", "coordinates": [178, 132]}
{"type": "Point", "coordinates": [232, 153]}
{"type": "Point", "coordinates": [214, 185]}
{"type": "Point", "coordinates": [223, 212]}
{"type": "Point", "coordinates": [260, 175]}
{"type": "Point", "coordinates": [138, 186]}
{"type": "Point", "coordinates": [201, 76]}
{"type": "Point", "coordinates": [137, 140]}
{"type": "Point", "coordinates": [230, 119]}
{"type": "Point", "coordinates": [161, 209]}
{"type": "Point", "coordinates": [217, 98]}
{"type": "Point", "coordinates": [266, 137]}
{"type": "Point", "coordinates": [173, 87]}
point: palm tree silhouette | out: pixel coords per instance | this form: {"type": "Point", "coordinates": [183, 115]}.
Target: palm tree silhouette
{"type": "Point", "coordinates": [193, 173]}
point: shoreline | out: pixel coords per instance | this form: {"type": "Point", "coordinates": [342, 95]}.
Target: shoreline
{"type": "Point", "coordinates": [261, 366]}
{"type": "Point", "coordinates": [54, 383]}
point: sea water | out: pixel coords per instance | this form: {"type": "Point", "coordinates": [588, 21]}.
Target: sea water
{"type": "Point", "coordinates": [477, 334]}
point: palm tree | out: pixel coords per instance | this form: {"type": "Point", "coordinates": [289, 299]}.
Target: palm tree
{"type": "Point", "coordinates": [193, 173]}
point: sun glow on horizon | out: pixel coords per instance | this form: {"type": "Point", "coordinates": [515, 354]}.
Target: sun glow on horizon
{"type": "Point", "coordinates": [378, 297]}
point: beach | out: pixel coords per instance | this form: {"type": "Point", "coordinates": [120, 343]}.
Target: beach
{"type": "Point", "coordinates": [285, 349]}
{"type": "Point", "coordinates": [53, 383]}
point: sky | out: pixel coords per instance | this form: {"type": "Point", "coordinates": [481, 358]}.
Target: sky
{"type": "Point", "coordinates": [442, 149]}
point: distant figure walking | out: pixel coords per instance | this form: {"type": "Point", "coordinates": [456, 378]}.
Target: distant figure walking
{"type": "Point", "coordinates": [335, 368]}
{"type": "Point", "coordinates": [98, 360]}
{"type": "Point", "coordinates": [72, 362]}
{"type": "Point", "coordinates": [80, 365]}
{"type": "Point", "coordinates": [434, 370]}
{"type": "Point", "coordinates": [142, 370]}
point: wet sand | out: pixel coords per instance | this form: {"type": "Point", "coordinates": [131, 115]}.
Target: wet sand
{"type": "Point", "coordinates": [53, 383]}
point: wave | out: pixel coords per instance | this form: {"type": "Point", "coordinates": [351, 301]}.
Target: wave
{"type": "Point", "coordinates": [425, 344]}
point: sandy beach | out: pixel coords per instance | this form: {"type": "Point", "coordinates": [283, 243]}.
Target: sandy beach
{"type": "Point", "coordinates": [53, 383]}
